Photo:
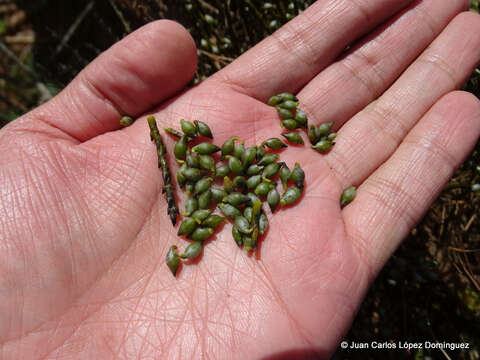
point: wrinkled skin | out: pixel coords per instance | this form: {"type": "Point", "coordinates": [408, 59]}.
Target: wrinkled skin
{"type": "Point", "coordinates": [84, 231]}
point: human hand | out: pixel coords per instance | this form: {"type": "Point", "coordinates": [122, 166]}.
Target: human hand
{"type": "Point", "coordinates": [84, 230]}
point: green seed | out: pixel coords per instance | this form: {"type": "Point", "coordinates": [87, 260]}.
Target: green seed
{"type": "Point", "coordinates": [192, 250]}
{"type": "Point", "coordinates": [191, 205]}
{"type": "Point", "coordinates": [201, 234]}
{"type": "Point", "coordinates": [263, 188]}
{"type": "Point", "coordinates": [301, 118]}
{"type": "Point", "coordinates": [218, 194]}
{"type": "Point", "coordinates": [243, 225]}
{"type": "Point", "coordinates": [237, 236]}
{"type": "Point", "coordinates": [274, 143]}
{"type": "Point", "coordinates": [189, 188]}
{"type": "Point", "coordinates": [222, 171]}
{"type": "Point", "coordinates": [187, 226]}
{"type": "Point", "coordinates": [254, 238]}
{"type": "Point", "coordinates": [287, 96]}
{"type": "Point", "coordinates": [253, 198]}
{"type": "Point", "coordinates": [235, 165]}
{"type": "Point", "coordinates": [247, 241]}
{"type": "Point", "coordinates": [260, 152]}
{"type": "Point", "coordinates": [181, 178]}
{"type": "Point", "coordinates": [284, 113]}
{"type": "Point", "coordinates": [249, 155]}
{"type": "Point", "coordinates": [228, 184]}
{"type": "Point", "coordinates": [207, 163]}
{"type": "Point", "coordinates": [271, 170]}
{"type": "Point", "coordinates": [213, 221]}
{"type": "Point", "coordinates": [298, 176]}
{"type": "Point", "coordinates": [205, 148]}
{"type": "Point", "coordinates": [348, 195]}
{"type": "Point", "coordinates": [193, 160]}
{"type": "Point", "coordinates": [201, 215]}
{"type": "Point", "coordinates": [240, 183]}
{"type": "Point", "coordinates": [323, 146]}
{"type": "Point", "coordinates": [192, 174]}
{"type": "Point", "coordinates": [288, 104]}
{"type": "Point", "coordinates": [262, 223]}
{"type": "Point", "coordinates": [332, 136]}
{"type": "Point", "coordinates": [291, 195]}
{"type": "Point", "coordinates": [188, 128]}
{"type": "Point", "coordinates": [284, 174]}
{"type": "Point", "coordinates": [274, 100]}
{"type": "Point", "coordinates": [126, 121]}
{"type": "Point", "coordinates": [254, 170]}
{"type": "Point", "coordinates": [173, 132]}
{"type": "Point", "coordinates": [253, 181]}
{"type": "Point", "coordinates": [236, 199]}
{"type": "Point", "coordinates": [268, 159]}
{"type": "Point", "coordinates": [228, 146]}
{"type": "Point", "coordinates": [312, 135]}
{"type": "Point", "coordinates": [173, 260]}
{"type": "Point", "coordinates": [202, 185]}
{"type": "Point", "coordinates": [323, 129]}
{"type": "Point", "coordinates": [180, 148]}
{"type": "Point", "coordinates": [229, 210]}
{"type": "Point", "coordinates": [203, 129]}
{"type": "Point", "coordinates": [293, 137]}
{"type": "Point", "coordinates": [290, 124]}
{"type": "Point", "coordinates": [205, 199]}
{"type": "Point", "coordinates": [273, 199]}
{"type": "Point", "coordinates": [247, 213]}
{"type": "Point", "coordinates": [239, 150]}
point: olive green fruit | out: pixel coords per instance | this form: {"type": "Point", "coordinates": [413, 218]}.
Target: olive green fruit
{"type": "Point", "coordinates": [263, 188]}
{"type": "Point", "coordinates": [173, 132]}
{"type": "Point", "coordinates": [284, 174]}
{"type": "Point", "coordinates": [262, 223]}
{"type": "Point", "coordinates": [301, 118]}
{"type": "Point", "coordinates": [126, 121]}
{"type": "Point", "coordinates": [188, 128]}
{"type": "Point", "coordinates": [253, 181]}
{"type": "Point", "coordinates": [228, 146]}
{"type": "Point", "coordinates": [290, 124]}
{"type": "Point", "coordinates": [200, 215]}
{"type": "Point", "coordinates": [243, 225]}
{"type": "Point", "coordinates": [189, 187]}
{"type": "Point", "coordinates": [247, 241]}
{"type": "Point", "coordinates": [284, 113]}
{"type": "Point", "coordinates": [218, 194]}
{"type": "Point", "coordinates": [287, 96]}
{"type": "Point", "coordinates": [201, 234]}
{"type": "Point", "coordinates": [237, 236]}
{"type": "Point", "coordinates": [268, 159]}
{"type": "Point", "coordinates": [273, 199]}
{"type": "Point", "coordinates": [222, 171]}
{"type": "Point", "coordinates": [253, 198]}
{"type": "Point", "coordinates": [193, 160]}
{"type": "Point", "coordinates": [202, 185]}
{"type": "Point", "coordinates": [213, 221]}
{"type": "Point", "coordinates": [260, 152]}
{"type": "Point", "coordinates": [288, 104]}
{"type": "Point", "coordinates": [348, 195]}
{"type": "Point", "coordinates": [274, 100]}
{"type": "Point", "coordinates": [323, 129]}
{"type": "Point", "coordinates": [235, 165]}
{"type": "Point", "coordinates": [247, 213]}
{"type": "Point", "coordinates": [205, 199]}
{"type": "Point", "coordinates": [312, 135]}
{"type": "Point", "coordinates": [180, 148]}
{"type": "Point", "coordinates": [207, 163]}
{"type": "Point", "coordinates": [173, 260]}
{"type": "Point", "coordinates": [298, 176]}
{"type": "Point", "coordinates": [205, 148]}
{"type": "Point", "coordinates": [187, 226]}
{"type": "Point", "coordinates": [323, 146]}
{"type": "Point", "coordinates": [229, 210]}
{"type": "Point", "coordinates": [236, 199]}
{"type": "Point", "coordinates": [228, 184]}
{"type": "Point", "coordinates": [254, 169]}
{"type": "Point", "coordinates": [191, 205]}
{"type": "Point", "coordinates": [249, 155]}
{"type": "Point", "coordinates": [192, 174]}
{"type": "Point", "coordinates": [192, 250]}
{"type": "Point", "coordinates": [181, 178]}
{"type": "Point", "coordinates": [332, 136]}
{"type": "Point", "coordinates": [239, 183]}
{"type": "Point", "coordinates": [291, 195]}
{"type": "Point", "coordinates": [271, 170]}
{"type": "Point", "coordinates": [293, 137]}
{"type": "Point", "coordinates": [274, 143]}
{"type": "Point", "coordinates": [203, 129]}
{"type": "Point", "coordinates": [239, 150]}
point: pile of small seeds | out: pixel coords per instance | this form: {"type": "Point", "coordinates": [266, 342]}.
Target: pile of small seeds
{"type": "Point", "coordinates": [293, 118]}
{"type": "Point", "coordinates": [236, 185]}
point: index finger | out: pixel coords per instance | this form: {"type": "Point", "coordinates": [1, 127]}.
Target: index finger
{"type": "Point", "coordinates": [293, 55]}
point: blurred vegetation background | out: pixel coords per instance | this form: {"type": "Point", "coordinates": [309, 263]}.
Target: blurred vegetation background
{"type": "Point", "coordinates": [428, 291]}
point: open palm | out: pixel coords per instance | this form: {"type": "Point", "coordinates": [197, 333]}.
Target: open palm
{"type": "Point", "coordinates": [84, 230]}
